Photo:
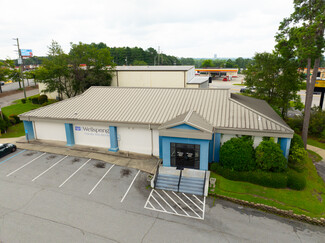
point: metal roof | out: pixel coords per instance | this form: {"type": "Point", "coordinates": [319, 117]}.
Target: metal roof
{"type": "Point", "coordinates": [156, 106]}
{"type": "Point", "coordinates": [153, 68]}
{"type": "Point", "coordinates": [190, 118]}
{"type": "Point", "coordinates": [198, 80]}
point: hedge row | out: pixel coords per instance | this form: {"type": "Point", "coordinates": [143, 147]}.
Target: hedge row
{"type": "Point", "coordinates": [290, 179]}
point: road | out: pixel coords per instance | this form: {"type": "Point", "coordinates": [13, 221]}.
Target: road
{"type": "Point", "coordinates": [14, 86]}
{"type": "Point", "coordinates": [7, 100]}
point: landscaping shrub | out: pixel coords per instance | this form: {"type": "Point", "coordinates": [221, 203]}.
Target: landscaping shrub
{"type": "Point", "coordinates": [317, 122]}
{"type": "Point", "coordinates": [238, 154]}
{"type": "Point", "coordinates": [268, 179]}
{"type": "Point", "coordinates": [296, 181]}
{"type": "Point", "coordinates": [269, 157]}
{"type": "Point", "coordinates": [23, 101]}
{"type": "Point", "coordinates": [42, 99]}
{"type": "Point", "coordinates": [4, 123]}
{"type": "Point", "coordinates": [297, 154]}
{"type": "Point", "coordinates": [35, 100]}
{"type": "Point", "coordinates": [295, 124]}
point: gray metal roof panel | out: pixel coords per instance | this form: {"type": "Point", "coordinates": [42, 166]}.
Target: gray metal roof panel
{"type": "Point", "coordinates": [198, 80]}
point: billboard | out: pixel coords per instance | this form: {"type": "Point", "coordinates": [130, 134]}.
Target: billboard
{"type": "Point", "coordinates": [26, 52]}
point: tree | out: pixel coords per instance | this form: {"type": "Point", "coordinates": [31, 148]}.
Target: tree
{"type": "Point", "coordinates": [4, 71]}
{"type": "Point", "coordinates": [207, 63]}
{"type": "Point", "coordinates": [73, 73]}
{"type": "Point", "coordinates": [89, 67]}
{"type": "Point", "coordinates": [304, 32]}
{"type": "Point", "coordinates": [276, 79]}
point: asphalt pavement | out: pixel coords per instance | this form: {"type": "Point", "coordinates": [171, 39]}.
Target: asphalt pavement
{"type": "Point", "coordinates": [49, 197]}
{"type": "Point", "coordinates": [7, 100]}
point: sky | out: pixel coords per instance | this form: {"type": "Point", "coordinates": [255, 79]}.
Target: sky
{"type": "Point", "coordinates": [198, 29]}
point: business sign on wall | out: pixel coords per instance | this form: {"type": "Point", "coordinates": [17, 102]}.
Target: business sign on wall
{"type": "Point", "coordinates": [92, 131]}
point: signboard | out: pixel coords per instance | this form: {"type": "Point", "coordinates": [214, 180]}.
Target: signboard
{"type": "Point", "coordinates": [320, 83]}
{"type": "Point", "coordinates": [26, 52]}
{"type": "Point", "coordinates": [92, 131]}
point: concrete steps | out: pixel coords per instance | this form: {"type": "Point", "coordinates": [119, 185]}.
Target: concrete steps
{"type": "Point", "coordinates": [192, 185]}
{"type": "Point", "coordinates": [167, 182]}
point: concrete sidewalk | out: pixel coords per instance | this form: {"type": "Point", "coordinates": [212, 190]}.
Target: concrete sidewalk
{"type": "Point", "coordinates": [138, 161]}
{"type": "Point", "coordinates": [317, 150]}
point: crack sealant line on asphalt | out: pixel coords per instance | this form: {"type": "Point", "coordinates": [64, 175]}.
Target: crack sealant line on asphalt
{"type": "Point", "coordinates": [130, 186]}
{"type": "Point", "coordinates": [25, 164]}
{"type": "Point", "coordinates": [49, 168]}
{"type": "Point", "coordinates": [74, 173]}
{"type": "Point", "coordinates": [13, 156]}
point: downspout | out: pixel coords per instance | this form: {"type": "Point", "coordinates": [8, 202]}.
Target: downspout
{"type": "Point", "coordinates": [117, 79]}
{"type": "Point", "coordinates": [214, 144]}
{"type": "Point", "coordinates": [151, 139]}
{"type": "Point", "coordinates": [184, 78]}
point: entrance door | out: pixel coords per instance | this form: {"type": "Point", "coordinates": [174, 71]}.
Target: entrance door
{"type": "Point", "coordinates": [185, 155]}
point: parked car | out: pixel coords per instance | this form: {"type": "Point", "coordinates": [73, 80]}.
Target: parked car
{"type": "Point", "coordinates": [225, 79]}
{"type": "Point", "coordinates": [7, 148]}
{"type": "Point", "coordinates": [247, 89]}
{"type": "Point", "coordinates": [2, 83]}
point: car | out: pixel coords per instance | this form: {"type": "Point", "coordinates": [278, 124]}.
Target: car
{"type": "Point", "coordinates": [7, 148]}
{"type": "Point", "coordinates": [2, 83]}
{"type": "Point", "coordinates": [247, 89]}
{"type": "Point", "coordinates": [225, 79]}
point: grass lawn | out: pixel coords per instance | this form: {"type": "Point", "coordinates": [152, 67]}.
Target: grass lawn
{"type": "Point", "coordinates": [310, 201]}
{"type": "Point", "coordinates": [239, 84]}
{"type": "Point", "coordinates": [316, 143]}
{"type": "Point", "coordinates": [314, 156]}
{"type": "Point", "coordinates": [14, 131]}
{"type": "Point", "coordinates": [19, 108]}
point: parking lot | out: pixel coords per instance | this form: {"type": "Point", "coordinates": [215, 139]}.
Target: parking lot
{"type": "Point", "coordinates": [56, 198]}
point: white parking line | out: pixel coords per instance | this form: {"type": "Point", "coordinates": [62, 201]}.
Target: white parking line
{"type": "Point", "coordinates": [74, 173]}
{"type": "Point", "coordinates": [49, 168]}
{"type": "Point", "coordinates": [130, 186]}
{"type": "Point", "coordinates": [25, 165]}
{"type": "Point", "coordinates": [181, 204]}
{"type": "Point", "coordinates": [186, 204]}
{"type": "Point", "coordinates": [192, 202]}
{"type": "Point", "coordinates": [198, 199]}
{"type": "Point", "coordinates": [100, 180]}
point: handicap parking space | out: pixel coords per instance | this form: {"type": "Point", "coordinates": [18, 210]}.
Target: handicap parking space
{"type": "Point", "coordinates": [180, 204]}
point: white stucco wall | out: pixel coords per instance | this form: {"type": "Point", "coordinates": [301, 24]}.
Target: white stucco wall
{"type": "Point", "coordinates": [204, 85]}
{"type": "Point", "coordinates": [89, 135]}
{"type": "Point", "coordinates": [226, 137]}
{"type": "Point", "coordinates": [137, 140]}
{"type": "Point", "coordinates": [49, 131]}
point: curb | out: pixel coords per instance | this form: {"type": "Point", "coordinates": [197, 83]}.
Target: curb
{"type": "Point", "coordinates": [274, 210]}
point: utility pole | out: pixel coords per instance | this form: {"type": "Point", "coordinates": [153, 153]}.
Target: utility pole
{"type": "Point", "coordinates": [158, 54]}
{"type": "Point", "coordinates": [22, 66]}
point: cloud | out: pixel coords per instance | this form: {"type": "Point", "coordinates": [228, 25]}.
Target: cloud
{"type": "Point", "coordinates": [189, 29]}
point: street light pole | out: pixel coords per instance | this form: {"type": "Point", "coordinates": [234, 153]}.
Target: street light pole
{"type": "Point", "coordinates": [22, 66]}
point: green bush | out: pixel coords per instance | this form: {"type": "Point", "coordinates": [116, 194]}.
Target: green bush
{"type": "Point", "coordinates": [295, 124]}
{"type": "Point", "coordinates": [268, 179]}
{"type": "Point", "coordinates": [317, 122]}
{"type": "Point", "coordinates": [296, 180]}
{"type": "Point", "coordinates": [23, 101]}
{"type": "Point", "coordinates": [297, 154]}
{"type": "Point", "coordinates": [292, 179]}
{"type": "Point", "coordinates": [4, 123]}
{"type": "Point", "coordinates": [238, 154]}
{"type": "Point", "coordinates": [35, 100]}
{"type": "Point", "coordinates": [269, 157]}
{"type": "Point", "coordinates": [42, 99]}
